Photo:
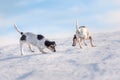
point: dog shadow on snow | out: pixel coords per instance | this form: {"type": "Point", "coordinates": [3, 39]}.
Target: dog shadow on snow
{"type": "Point", "coordinates": [25, 76]}
{"type": "Point", "coordinates": [13, 57]}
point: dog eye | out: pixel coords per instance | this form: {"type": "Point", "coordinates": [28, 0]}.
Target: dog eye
{"type": "Point", "coordinates": [52, 46]}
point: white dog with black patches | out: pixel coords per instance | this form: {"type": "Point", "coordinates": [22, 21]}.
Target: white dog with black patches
{"type": "Point", "coordinates": [37, 40]}
{"type": "Point", "coordinates": [82, 34]}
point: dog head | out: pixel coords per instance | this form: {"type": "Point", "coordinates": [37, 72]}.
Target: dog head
{"type": "Point", "coordinates": [74, 40]}
{"type": "Point", "coordinates": [50, 45]}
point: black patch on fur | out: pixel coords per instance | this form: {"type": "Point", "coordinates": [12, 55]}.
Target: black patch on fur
{"type": "Point", "coordinates": [23, 38]}
{"type": "Point", "coordinates": [49, 43]}
{"type": "Point", "coordinates": [21, 33]}
{"type": "Point", "coordinates": [82, 27]}
{"type": "Point", "coordinates": [74, 40]}
{"type": "Point", "coordinates": [74, 37]}
{"type": "Point", "coordinates": [39, 37]}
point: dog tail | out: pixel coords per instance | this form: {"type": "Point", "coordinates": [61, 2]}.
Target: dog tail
{"type": "Point", "coordinates": [76, 24]}
{"type": "Point", "coordinates": [17, 29]}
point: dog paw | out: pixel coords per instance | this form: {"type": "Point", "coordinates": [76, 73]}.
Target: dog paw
{"type": "Point", "coordinates": [21, 54]}
{"type": "Point", "coordinates": [80, 47]}
{"type": "Point", "coordinates": [85, 44]}
{"type": "Point", "coordinates": [93, 46]}
{"type": "Point", "coordinates": [32, 51]}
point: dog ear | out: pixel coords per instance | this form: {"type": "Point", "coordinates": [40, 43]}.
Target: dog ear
{"type": "Point", "coordinates": [74, 37]}
{"type": "Point", "coordinates": [47, 43]}
{"type": "Point", "coordinates": [54, 43]}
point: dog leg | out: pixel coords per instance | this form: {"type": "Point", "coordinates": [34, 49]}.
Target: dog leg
{"type": "Point", "coordinates": [91, 41]}
{"type": "Point", "coordinates": [30, 48]}
{"type": "Point", "coordinates": [21, 49]}
{"type": "Point", "coordinates": [85, 42]}
{"type": "Point", "coordinates": [41, 50]}
{"type": "Point", "coordinates": [80, 44]}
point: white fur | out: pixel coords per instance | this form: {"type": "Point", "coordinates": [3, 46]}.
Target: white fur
{"type": "Point", "coordinates": [82, 34]}
{"type": "Point", "coordinates": [31, 39]}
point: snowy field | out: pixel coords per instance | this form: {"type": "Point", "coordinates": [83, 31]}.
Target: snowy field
{"type": "Point", "coordinates": [68, 63]}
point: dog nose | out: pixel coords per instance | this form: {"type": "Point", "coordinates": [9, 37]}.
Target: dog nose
{"type": "Point", "coordinates": [73, 45]}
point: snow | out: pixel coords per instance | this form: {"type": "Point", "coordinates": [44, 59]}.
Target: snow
{"type": "Point", "coordinates": [68, 63]}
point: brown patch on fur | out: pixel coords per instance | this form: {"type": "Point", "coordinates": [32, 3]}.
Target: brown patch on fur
{"type": "Point", "coordinates": [52, 48]}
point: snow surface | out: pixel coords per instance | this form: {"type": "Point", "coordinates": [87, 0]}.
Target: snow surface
{"type": "Point", "coordinates": [68, 63]}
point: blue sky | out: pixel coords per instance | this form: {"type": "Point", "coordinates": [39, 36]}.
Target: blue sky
{"type": "Point", "coordinates": [57, 17]}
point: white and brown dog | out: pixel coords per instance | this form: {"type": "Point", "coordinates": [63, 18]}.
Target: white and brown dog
{"type": "Point", "coordinates": [37, 40]}
{"type": "Point", "coordinates": [82, 34]}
